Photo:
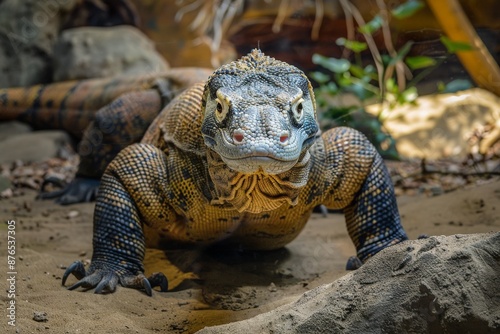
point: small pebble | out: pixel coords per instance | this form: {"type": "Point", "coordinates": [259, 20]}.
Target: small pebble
{"type": "Point", "coordinates": [40, 316]}
{"type": "Point", "coordinates": [7, 193]}
{"type": "Point", "coordinates": [72, 214]}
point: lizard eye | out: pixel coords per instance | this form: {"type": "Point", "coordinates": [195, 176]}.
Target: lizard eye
{"type": "Point", "coordinates": [297, 110]}
{"type": "Point", "coordinates": [221, 110]}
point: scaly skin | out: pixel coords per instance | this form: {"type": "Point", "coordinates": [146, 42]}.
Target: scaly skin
{"type": "Point", "coordinates": [105, 115]}
{"type": "Point", "coordinates": [236, 160]}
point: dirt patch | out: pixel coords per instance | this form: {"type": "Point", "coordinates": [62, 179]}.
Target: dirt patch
{"type": "Point", "coordinates": [210, 287]}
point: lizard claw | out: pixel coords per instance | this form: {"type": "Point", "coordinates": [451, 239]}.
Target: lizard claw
{"type": "Point", "coordinates": [147, 287]}
{"type": "Point", "coordinates": [78, 191]}
{"type": "Point", "coordinates": [76, 268]}
{"type": "Point", "coordinates": [108, 283]}
{"type": "Point", "coordinates": [105, 280]}
{"type": "Point", "coordinates": [159, 279]}
{"type": "Point", "coordinates": [353, 263]}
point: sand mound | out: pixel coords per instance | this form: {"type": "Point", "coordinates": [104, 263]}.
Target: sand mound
{"type": "Point", "coordinates": [445, 284]}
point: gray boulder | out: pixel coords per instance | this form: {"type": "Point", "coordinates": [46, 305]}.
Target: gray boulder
{"type": "Point", "coordinates": [13, 128]}
{"type": "Point", "coordinates": [93, 52]}
{"type": "Point", "coordinates": [33, 146]}
{"type": "Point", "coordinates": [28, 31]}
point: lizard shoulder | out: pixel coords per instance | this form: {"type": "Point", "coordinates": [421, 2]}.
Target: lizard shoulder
{"type": "Point", "coordinates": [179, 123]}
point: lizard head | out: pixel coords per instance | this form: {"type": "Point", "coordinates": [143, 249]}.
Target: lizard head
{"type": "Point", "coordinates": [259, 114]}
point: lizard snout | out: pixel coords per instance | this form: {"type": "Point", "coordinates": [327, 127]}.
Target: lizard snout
{"type": "Point", "coordinates": [239, 137]}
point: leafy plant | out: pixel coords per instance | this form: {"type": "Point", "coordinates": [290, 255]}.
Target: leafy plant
{"type": "Point", "coordinates": [384, 82]}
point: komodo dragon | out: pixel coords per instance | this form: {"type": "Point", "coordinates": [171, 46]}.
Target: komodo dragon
{"type": "Point", "coordinates": [235, 160]}
{"type": "Point", "coordinates": [105, 115]}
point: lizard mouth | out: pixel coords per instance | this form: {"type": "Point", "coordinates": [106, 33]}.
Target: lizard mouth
{"type": "Point", "coordinates": [255, 163]}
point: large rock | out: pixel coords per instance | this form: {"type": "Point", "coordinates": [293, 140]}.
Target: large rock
{"type": "Point", "coordinates": [441, 125]}
{"type": "Point", "coordinates": [13, 128]}
{"type": "Point", "coordinates": [444, 284]}
{"type": "Point", "coordinates": [93, 52]}
{"type": "Point", "coordinates": [33, 146]}
{"type": "Point", "coordinates": [28, 30]}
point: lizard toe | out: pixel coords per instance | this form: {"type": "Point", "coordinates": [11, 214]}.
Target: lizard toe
{"type": "Point", "coordinates": [159, 279]}
{"type": "Point", "coordinates": [107, 284]}
{"type": "Point", "coordinates": [80, 190]}
{"type": "Point", "coordinates": [147, 284]}
{"type": "Point", "coordinates": [353, 263]}
{"type": "Point", "coordinates": [77, 269]}
{"type": "Point", "coordinates": [92, 281]}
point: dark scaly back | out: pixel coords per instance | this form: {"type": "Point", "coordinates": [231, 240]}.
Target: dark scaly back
{"type": "Point", "coordinates": [179, 123]}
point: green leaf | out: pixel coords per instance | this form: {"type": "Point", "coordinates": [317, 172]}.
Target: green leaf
{"type": "Point", "coordinates": [344, 80]}
{"type": "Point", "coordinates": [370, 69]}
{"type": "Point", "coordinates": [357, 71]}
{"type": "Point", "coordinates": [360, 90]}
{"type": "Point", "coordinates": [386, 59]}
{"type": "Point", "coordinates": [331, 88]}
{"type": "Point", "coordinates": [418, 62]}
{"type": "Point", "coordinates": [408, 96]}
{"type": "Point", "coordinates": [372, 26]}
{"type": "Point", "coordinates": [453, 46]}
{"type": "Point", "coordinates": [320, 77]}
{"type": "Point", "coordinates": [355, 46]}
{"type": "Point", "coordinates": [390, 85]}
{"type": "Point", "coordinates": [333, 64]}
{"type": "Point", "coordinates": [441, 86]}
{"type": "Point", "coordinates": [401, 53]}
{"type": "Point", "coordinates": [456, 85]}
{"type": "Point", "coordinates": [407, 9]}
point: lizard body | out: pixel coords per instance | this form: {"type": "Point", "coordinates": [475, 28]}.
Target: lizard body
{"type": "Point", "coordinates": [237, 159]}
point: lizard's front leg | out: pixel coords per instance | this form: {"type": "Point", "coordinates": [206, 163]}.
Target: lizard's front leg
{"type": "Point", "coordinates": [132, 193]}
{"type": "Point", "coordinates": [372, 218]}
{"type": "Point", "coordinates": [364, 190]}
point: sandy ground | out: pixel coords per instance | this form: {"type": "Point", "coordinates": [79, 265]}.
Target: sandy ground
{"type": "Point", "coordinates": [209, 287]}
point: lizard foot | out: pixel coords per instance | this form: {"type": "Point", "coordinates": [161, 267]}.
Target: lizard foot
{"type": "Point", "coordinates": [78, 191]}
{"type": "Point", "coordinates": [105, 280]}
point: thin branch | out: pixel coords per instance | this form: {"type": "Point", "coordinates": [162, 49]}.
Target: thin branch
{"type": "Point", "coordinates": [369, 41]}
{"type": "Point", "coordinates": [318, 19]}
{"type": "Point", "coordinates": [349, 21]}
{"type": "Point", "coordinates": [282, 14]}
{"type": "Point", "coordinates": [386, 31]}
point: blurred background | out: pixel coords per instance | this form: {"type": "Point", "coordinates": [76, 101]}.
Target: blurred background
{"type": "Point", "coordinates": [419, 78]}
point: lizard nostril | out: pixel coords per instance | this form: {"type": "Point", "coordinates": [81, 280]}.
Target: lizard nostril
{"type": "Point", "coordinates": [238, 137]}
{"type": "Point", "coordinates": [284, 137]}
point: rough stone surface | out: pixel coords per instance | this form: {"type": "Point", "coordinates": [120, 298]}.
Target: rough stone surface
{"type": "Point", "coordinates": [441, 125]}
{"type": "Point", "coordinates": [13, 128]}
{"type": "Point", "coordinates": [443, 284]}
{"type": "Point", "coordinates": [92, 52]}
{"type": "Point", "coordinates": [28, 30]}
{"type": "Point", "coordinates": [34, 146]}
